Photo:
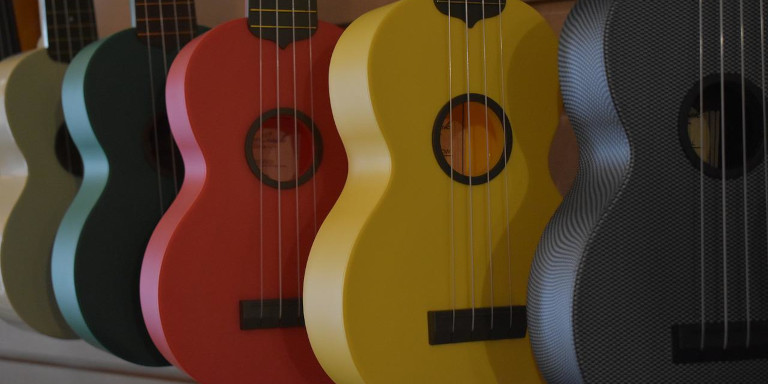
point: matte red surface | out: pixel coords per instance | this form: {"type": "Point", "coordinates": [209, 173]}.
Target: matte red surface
{"type": "Point", "coordinates": [205, 255]}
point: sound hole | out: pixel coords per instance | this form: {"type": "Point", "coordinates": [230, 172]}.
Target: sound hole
{"type": "Point", "coordinates": [67, 153]}
{"type": "Point", "coordinates": [702, 133]}
{"type": "Point", "coordinates": [474, 145]}
{"type": "Point", "coordinates": [160, 150]}
{"type": "Point", "coordinates": [279, 148]}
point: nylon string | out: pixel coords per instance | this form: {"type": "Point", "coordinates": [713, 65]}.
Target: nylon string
{"type": "Point", "coordinates": [489, 228]}
{"type": "Point", "coordinates": [701, 170]}
{"type": "Point", "coordinates": [506, 156]}
{"type": "Point", "coordinates": [469, 140]}
{"type": "Point", "coordinates": [723, 182]}
{"type": "Point", "coordinates": [279, 178]}
{"type": "Point", "coordinates": [261, 163]}
{"type": "Point", "coordinates": [744, 178]}
{"type": "Point", "coordinates": [452, 209]}
{"type": "Point", "coordinates": [154, 105]}
{"type": "Point", "coordinates": [296, 158]}
{"type": "Point", "coordinates": [57, 42]}
{"type": "Point", "coordinates": [765, 117]}
{"type": "Point", "coordinates": [312, 118]}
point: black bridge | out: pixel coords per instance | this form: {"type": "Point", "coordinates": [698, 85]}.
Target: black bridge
{"type": "Point", "coordinates": [266, 314]}
{"type": "Point", "coordinates": [687, 348]}
{"type": "Point", "coordinates": [445, 328]}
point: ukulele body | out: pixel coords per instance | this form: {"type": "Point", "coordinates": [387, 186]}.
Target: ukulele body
{"type": "Point", "coordinates": [37, 188]}
{"type": "Point", "coordinates": [620, 264]}
{"type": "Point", "coordinates": [97, 255]}
{"type": "Point", "coordinates": [382, 259]}
{"type": "Point", "coordinates": [205, 254]}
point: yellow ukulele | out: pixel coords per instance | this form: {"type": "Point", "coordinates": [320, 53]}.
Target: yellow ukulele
{"type": "Point", "coordinates": [447, 109]}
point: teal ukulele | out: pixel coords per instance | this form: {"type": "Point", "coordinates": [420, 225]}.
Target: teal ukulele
{"type": "Point", "coordinates": [40, 167]}
{"type": "Point", "coordinates": [114, 106]}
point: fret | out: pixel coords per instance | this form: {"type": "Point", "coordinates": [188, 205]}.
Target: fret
{"type": "Point", "coordinates": [163, 19]}
{"type": "Point", "coordinates": [165, 3]}
{"type": "Point", "coordinates": [283, 21]}
{"type": "Point", "coordinates": [283, 10]}
{"type": "Point", "coordinates": [282, 27]}
{"type": "Point", "coordinates": [71, 25]}
{"type": "Point", "coordinates": [461, 2]}
{"type": "Point", "coordinates": [166, 24]}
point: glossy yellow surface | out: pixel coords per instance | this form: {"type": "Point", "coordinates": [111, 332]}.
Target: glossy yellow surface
{"type": "Point", "coordinates": [382, 259]}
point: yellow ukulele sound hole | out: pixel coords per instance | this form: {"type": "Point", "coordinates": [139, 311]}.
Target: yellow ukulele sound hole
{"type": "Point", "coordinates": [472, 139]}
{"type": "Point", "coordinates": [283, 148]}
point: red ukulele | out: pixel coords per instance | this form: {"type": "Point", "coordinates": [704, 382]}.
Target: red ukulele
{"type": "Point", "coordinates": [221, 283]}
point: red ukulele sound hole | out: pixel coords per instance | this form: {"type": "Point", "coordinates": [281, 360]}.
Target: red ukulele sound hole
{"type": "Point", "coordinates": [283, 148]}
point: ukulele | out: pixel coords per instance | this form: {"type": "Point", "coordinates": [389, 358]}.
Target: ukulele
{"type": "Point", "coordinates": [654, 268]}
{"type": "Point", "coordinates": [418, 275]}
{"type": "Point", "coordinates": [222, 275]}
{"type": "Point", "coordinates": [41, 168]}
{"type": "Point", "coordinates": [114, 106]}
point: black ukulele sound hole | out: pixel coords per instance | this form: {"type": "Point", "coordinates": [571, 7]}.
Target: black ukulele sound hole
{"type": "Point", "coordinates": [471, 141]}
{"type": "Point", "coordinates": [160, 149]}
{"type": "Point", "coordinates": [67, 153]}
{"type": "Point", "coordinates": [279, 148]}
{"type": "Point", "coordinates": [701, 134]}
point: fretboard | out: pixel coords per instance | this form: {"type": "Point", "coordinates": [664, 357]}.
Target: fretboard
{"type": "Point", "coordinates": [9, 38]}
{"type": "Point", "coordinates": [471, 11]}
{"type": "Point", "coordinates": [166, 24]}
{"type": "Point", "coordinates": [283, 21]}
{"type": "Point", "coordinates": [71, 25]}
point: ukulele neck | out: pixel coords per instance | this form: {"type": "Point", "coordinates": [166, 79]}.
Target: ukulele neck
{"type": "Point", "coordinates": [166, 24]}
{"type": "Point", "coordinates": [9, 43]}
{"type": "Point", "coordinates": [283, 21]}
{"type": "Point", "coordinates": [69, 26]}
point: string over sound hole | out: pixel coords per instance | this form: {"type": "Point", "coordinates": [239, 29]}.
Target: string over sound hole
{"type": "Point", "coordinates": [279, 148]}
{"type": "Point", "coordinates": [470, 140]}
{"type": "Point", "coordinates": [702, 134]}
